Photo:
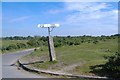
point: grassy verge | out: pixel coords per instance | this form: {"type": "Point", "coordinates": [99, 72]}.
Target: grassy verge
{"type": "Point", "coordinates": [9, 42]}
{"type": "Point", "coordinates": [74, 59]}
{"type": "Point", "coordinates": [5, 43]}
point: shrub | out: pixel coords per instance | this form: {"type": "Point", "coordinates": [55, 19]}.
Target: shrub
{"type": "Point", "coordinates": [110, 69]}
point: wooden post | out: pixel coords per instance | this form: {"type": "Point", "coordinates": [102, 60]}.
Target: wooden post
{"type": "Point", "coordinates": [51, 47]}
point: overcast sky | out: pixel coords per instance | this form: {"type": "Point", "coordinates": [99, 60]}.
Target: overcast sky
{"type": "Point", "coordinates": [75, 18]}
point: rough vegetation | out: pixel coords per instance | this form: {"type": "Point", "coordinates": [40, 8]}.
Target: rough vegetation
{"type": "Point", "coordinates": [18, 42]}
{"type": "Point", "coordinates": [87, 55]}
{"type": "Point", "coordinates": [110, 69]}
{"type": "Point", "coordinates": [79, 59]}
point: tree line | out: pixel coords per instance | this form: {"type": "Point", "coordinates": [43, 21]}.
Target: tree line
{"type": "Point", "coordinates": [38, 41]}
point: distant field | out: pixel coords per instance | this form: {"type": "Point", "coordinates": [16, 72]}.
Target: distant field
{"type": "Point", "coordinates": [6, 43]}
{"type": "Point", "coordinates": [0, 42]}
{"type": "Point", "coordinates": [9, 42]}
{"type": "Point", "coordinates": [0, 45]}
{"type": "Point", "coordinates": [75, 59]}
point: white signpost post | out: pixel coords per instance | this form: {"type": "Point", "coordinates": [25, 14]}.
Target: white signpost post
{"type": "Point", "coordinates": [50, 39]}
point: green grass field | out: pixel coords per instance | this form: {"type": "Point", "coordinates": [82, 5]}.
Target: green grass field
{"type": "Point", "coordinates": [8, 42]}
{"type": "Point", "coordinates": [5, 43]}
{"type": "Point", "coordinates": [74, 59]}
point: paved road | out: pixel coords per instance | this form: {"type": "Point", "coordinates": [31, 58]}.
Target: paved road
{"type": "Point", "coordinates": [12, 71]}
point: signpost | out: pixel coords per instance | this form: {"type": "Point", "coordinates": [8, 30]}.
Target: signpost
{"type": "Point", "coordinates": [50, 39]}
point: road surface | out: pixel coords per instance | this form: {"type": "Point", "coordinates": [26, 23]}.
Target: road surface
{"type": "Point", "coordinates": [12, 71]}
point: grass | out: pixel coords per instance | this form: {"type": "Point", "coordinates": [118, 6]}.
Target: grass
{"type": "Point", "coordinates": [9, 42]}
{"type": "Point", "coordinates": [83, 55]}
{"type": "Point", "coordinates": [5, 43]}
{"type": "Point", "coordinates": [0, 46]}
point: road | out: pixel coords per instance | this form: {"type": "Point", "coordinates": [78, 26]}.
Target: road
{"type": "Point", "coordinates": [12, 71]}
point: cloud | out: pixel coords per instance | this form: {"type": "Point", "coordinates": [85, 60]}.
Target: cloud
{"type": "Point", "coordinates": [90, 12]}
{"type": "Point", "coordinates": [55, 11]}
{"type": "Point", "coordinates": [91, 0]}
{"type": "Point", "coordinates": [97, 18]}
{"type": "Point", "coordinates": [87, 6]}
{"type": "Point", "coordinates": [19, 19]}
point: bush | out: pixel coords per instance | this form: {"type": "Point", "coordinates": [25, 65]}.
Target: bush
{"type": "Point", "coordinates": [57, 44]}
{"type": "Point", "coordinates": [11, 47]}
{"type": "Point", "coordinates": [21, 45]}
{"type": "Point", "coordinates": [110, 69]}
{"type": "Point", "coordinates": [77, 43]}
{"type": "Point", "coordinates": [95, 41]}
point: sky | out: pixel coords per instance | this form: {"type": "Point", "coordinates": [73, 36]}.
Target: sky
{"type": "Point", "coordinates": [75, 18]}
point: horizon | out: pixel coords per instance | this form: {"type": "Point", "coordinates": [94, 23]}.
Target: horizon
{"type": "Point", "coordinates": [62, 36]}
{"type": "Point", "coordinates": [75, 18]}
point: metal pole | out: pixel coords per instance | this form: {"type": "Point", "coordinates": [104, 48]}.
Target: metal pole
{"type": "Point", "coordinates": [51, 46]}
